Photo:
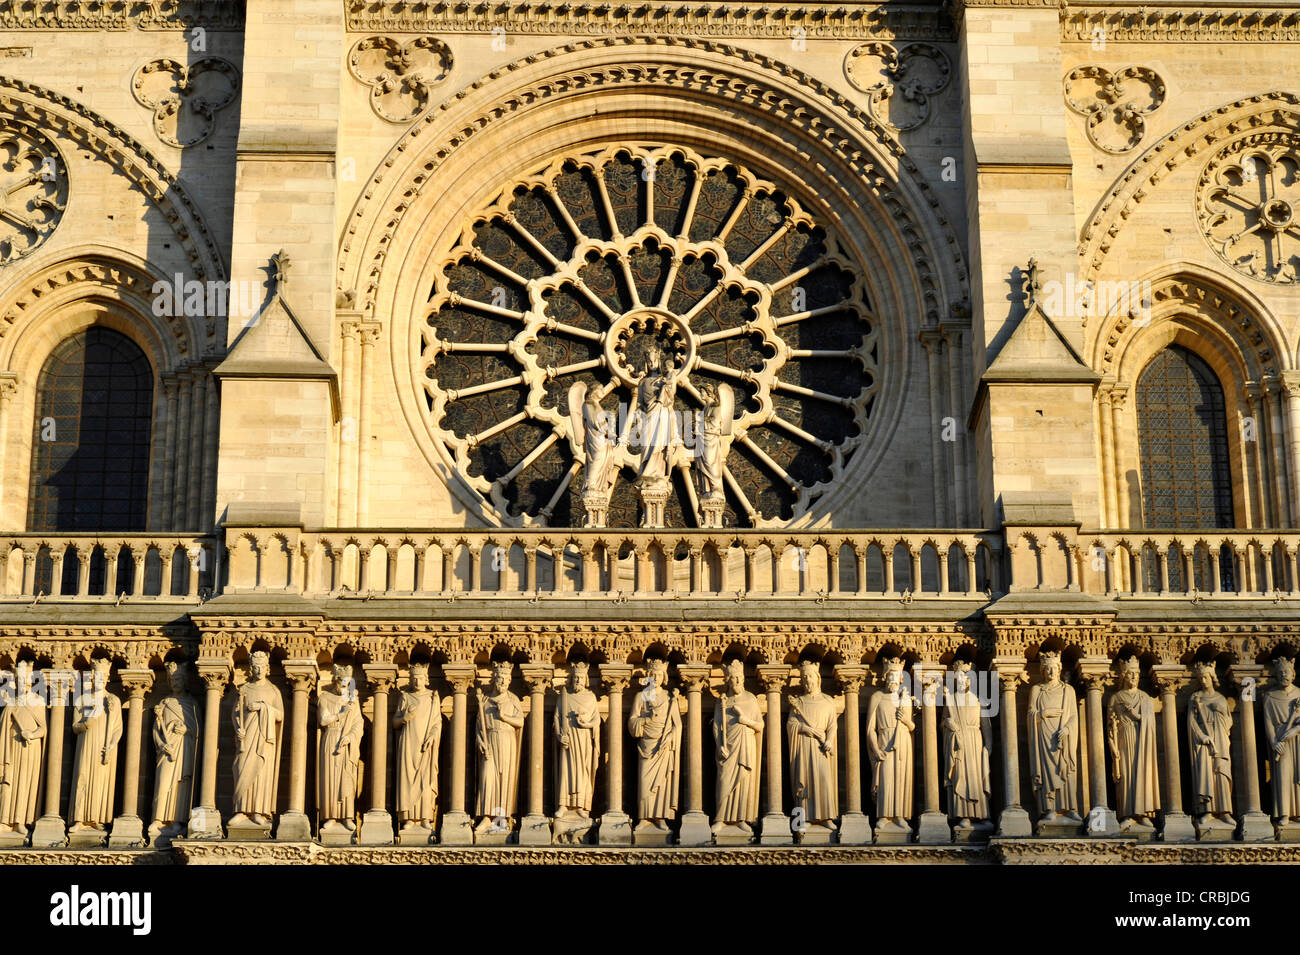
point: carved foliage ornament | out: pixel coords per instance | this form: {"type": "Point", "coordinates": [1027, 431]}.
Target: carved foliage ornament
{"type": "Point", "coordinates": [900, 82]}
{"type": "Point", "coordinates": [35, 191]}
{"type": "Point", "coordinates": [399, 74]}
{"type": "Point", "coordinates": [1114, 103]}
{"type": "Point", "coordinates": [1248, 203]}
{"type": "Point", "coordinates": [581, 272]}
{"type": "Point", "coordinates": [185, 98]}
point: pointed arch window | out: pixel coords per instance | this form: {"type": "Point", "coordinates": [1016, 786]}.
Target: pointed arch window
{"type": "Point", "coordinates": [90, 445]}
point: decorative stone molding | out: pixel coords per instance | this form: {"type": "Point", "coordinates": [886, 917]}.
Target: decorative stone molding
{"type": "Point", "coordinates": [1277, 111]}
{"type": "Point", "coordinates": [1084, 23]}
{"type": "Point", "coordinates": [399, 73]}
{"type": "Point", "coordinates": [806, 21]}
{"type": "Point", "coordinates": [31, 107]}
{"type": "Point", "coordinates": [33, 191]}
{"type": "Point", "coordinates": [1114, 124]}
{"type": "Point", "coordinates": [123, 15]}
{"type": "Point", "coordinates": [185, 98]}
{"type": "Point", "coordinates": [900, 82]}
{"type": "Point", "coordinates": [1248, 204]}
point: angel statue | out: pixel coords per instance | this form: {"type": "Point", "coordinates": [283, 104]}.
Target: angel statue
{"type": "Point", "coordinates": [713, 439]}
{"type": "Point", "coordinates": [595, 442]}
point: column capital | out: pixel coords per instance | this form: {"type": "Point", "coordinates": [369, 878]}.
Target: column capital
{"type": "Point", "coordinates": [301, 672]}
{"type": "Point", "coordinates": [931, 337]}
{"type": "Point", "coordinates": [1011, 671]}
{"type": "Point", "coordinates": [1249, 677]}
{"type": "Point", "coordinates": [215, 673]}
{"type": "Point", "coordinates": [136, 682]}
{"type": "Point", "coordinates": [1170, 678]}
{"type": "Point", "coordinates": [774, 676]}
{"type": "Point", "coordinates": [380, 676]}
{"type": "Point", "coordinates": [1290, 381]}
{"type": "Point", "coordinates": [1095, 672]}
{"type": "Point", "coordinates": [694, 675]}
{"type": "Point", "coordinates": [927, 678]}
{"type": "Point", "coordinates": [538, 676]}
{"type": "Point", "coordinates": [616, 676]}
{"type": "Point", "coordinates": [8, 386]}
{"type": "Point", "coordinates": [460, 675]}
{"type": "Point", "coordinates": [852, 678]}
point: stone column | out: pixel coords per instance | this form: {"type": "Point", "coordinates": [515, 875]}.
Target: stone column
{"type": "Point", "coordinates": [1290, 382]}
{"type": "Point", "coordinates": [535, 829]}
{"type": "Point", "coordinates": [50, 830]}
{"type": "Point", "coordinates": [8, 388]}
{"type": "Point", "coordinates": [932, 826]}
{"type": "Point", "coordinates": [1013, 822]}
{"type": "Point", "coordinates": [1177, 825]}
{"type": "Point", "coordinates": [295, 825]}
{"type": "Point", "coordinates": [128, 829]}
{"type": "Point", "coordinates": [377, 824]}
{"type": "Point", "coordinates": [694, 830]}
{"type": "Point", "coordinates": [1255, 824]}
{"type": "Point", "coordinates": [615, 824]}
{"type": "Point", "coordinates": [775, 829]}
{"type": "Point", "coordinates": [205, 821]}
{"type": "Point", "coordinates": [1096, 674]}
{"type": "Point", "coordinates": [855, 827]}
{"type": "Point", "coordinates": [457, 827]}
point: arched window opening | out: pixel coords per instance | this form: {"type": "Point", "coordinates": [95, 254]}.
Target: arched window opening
{"type": "Point", "coordinates": [1183, 444]}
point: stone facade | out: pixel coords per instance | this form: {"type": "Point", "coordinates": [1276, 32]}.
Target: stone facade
{"type": "Point", "coordinates": [899, 271]}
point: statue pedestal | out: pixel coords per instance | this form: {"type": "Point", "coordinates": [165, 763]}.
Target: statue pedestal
{"type": "Point", "coordinates": [1287, 831]}
{"type": "Point", "coordinates": [572, 828]}
{"type": "Point", "coordinates": [87, 838]}
{"type": "Point", "coordinates": [1215, 830]}
{"type": "Point", "coordinates": [1101, 823]}
{"type": "Point", "coordinates": [855, 829]}
{"type": "Point", "coordinates": [13, 838]}
{"type": "Point", "coordinates": [654, 497]}
{"type": "Point", "coordinates": [457, 830]}
{"type": "Point", "coordinates": [334, 833]}
{"type": "Point", "coordinates": [1178, 828]}
{"type": "Point", "coordinates": [1058, 828]}
{"type": "Point", "coordinates": [932, 829]}
{"type": "Point", "coordinates": [648, 834]}
{"type": "Point", "coordinates": [1013, 823]}
{"type": "Point", "coordinates": [50, 833]}
{"type": "Point", "coordinates": [490, 835]}
{"type": "Point", "coordinates": [535, 830]}
{"type": "Point", "coordinates": [415, 836]}
{"type": "Point", "coordinates": [248, 831]}
{"type": "Point", "coordinates": [711, 510]}
{"type": "Point", "coordinates": [294, 827]}
{"type": "Point", "coordinates": [376, 828]}
{"type": "Point", "coordinates": [127, 831]}
{"type": "Point", "coordinates": [978, 832]}
{"type": "Point", "coordinates": [815, 834]}
{"type": "Point", "coordinates": [160, 837]}
{"type": "Point", "coordinates": [205, 823]}
{"type": "Point", "coordinates": [890, 833]}
{"type": "Point", "coordinates": [1255, 827]}
{"type": "Point", "coordinates": [615, 829]}
{"type": "Point", "coordinates": [775, 830]}
{"type": "Point", "coordinates": [694, 830]}
{"type": "Point", "coordinates": [733, 836]}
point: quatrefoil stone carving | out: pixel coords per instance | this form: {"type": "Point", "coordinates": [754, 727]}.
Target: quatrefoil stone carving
{"type": "Point", "coordinates": [399, 74]}
{"type": "Point", "coordinates": [899, 82]}
{"type": "Point", "coordinates": [185, 99]}
{"type": "Point", "coordinates": [1114, 104]}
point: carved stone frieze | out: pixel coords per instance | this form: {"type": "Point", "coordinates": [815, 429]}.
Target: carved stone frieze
{"type": "Point", "coordinates": [1114, 103]}
{"type": "Point", "coordinates": [185, 98]}
{"type": "Point", "coordinates": [122, 15]}
{"type": "Point", "coordinates": [400, 73]}
{"type": "Point", "coordinates": [1088, 23]}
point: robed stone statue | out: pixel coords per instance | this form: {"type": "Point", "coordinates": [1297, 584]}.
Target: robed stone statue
{"type": "Point", "coordinates": [811, 736]}
{"type": "Point", "coordinates": [737, 736]}
{"type": "Point", "coordinates": [22, 743]}
{"type": "Point", "coordinates": [967, 739]}
{"type": "Point", "coordinates": [175, 743]}
{"type": "Point", "coordinates": [1131, 735]}
{"type": "Point", "coordinates": [890, 725]}
{"type": "Point", "coordinates": [1054, 742]}
{"type": "Point", "coordinates": [259, 722]}
{"type": "Point", "coordinates": [418, 722]}
{"type": "Point", "coordinates": [656, 724]}
{"type": "Point", "coordinates": [98, 728]}
{"type": "Point", "coordinates": [338, 754]}
{"type": "Point", "coordinates": [1209, 727]}
{"type": "Point", "coordinates": [1281, 706]}
{"type": "Point", "coordinates": [500, 722]}
{"type": "Point", "coordinates": [577, 754]}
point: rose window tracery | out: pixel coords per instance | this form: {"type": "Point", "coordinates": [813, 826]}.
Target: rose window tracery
{"type": "Point", "coordinates": [671, 321]}
{"type": "Point", "coordinates": [1249, 207]}
{"type": "Point", "coordinates": [33, 192]}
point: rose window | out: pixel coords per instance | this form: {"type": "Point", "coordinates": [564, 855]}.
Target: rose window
{"type": "Point", "coordinates": [1249, 206]}
{"type": "Point", "coordinates": [35, 192]}
{"type": "Point", "coordinates": [645, 336]}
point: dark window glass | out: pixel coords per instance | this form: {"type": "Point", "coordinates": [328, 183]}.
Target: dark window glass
{"type": "Point", "coordinates": [90, 447]}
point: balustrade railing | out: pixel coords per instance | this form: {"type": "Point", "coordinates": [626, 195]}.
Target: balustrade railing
{"type": "Point", "coordinates": [106, 567]}
{"type": "Point", "coordinates": [1197, 564]}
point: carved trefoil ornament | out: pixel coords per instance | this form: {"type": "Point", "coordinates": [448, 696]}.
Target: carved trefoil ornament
{"type": "Point", "coordinates": [185, 98]}
{"type": "Point", "coordinates": [35, 183]}
{"type": "Point", "coordinates": [1248, 203]}
{"type": "Point", "coordinates": [900, 83]}
{"type": "Point", "coordinates": [399, 73]}
{"type": "Point", "coordinates": [1114, 104]}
